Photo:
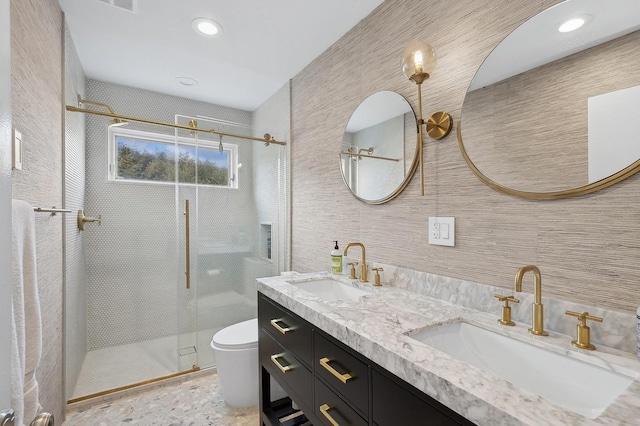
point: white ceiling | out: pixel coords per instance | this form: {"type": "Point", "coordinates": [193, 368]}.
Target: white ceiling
{"type": "Point", "coordinates": [263, 45]}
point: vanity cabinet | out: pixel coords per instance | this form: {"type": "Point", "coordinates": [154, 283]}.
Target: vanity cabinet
{"type": "Point", "coordinates": [330, 384]}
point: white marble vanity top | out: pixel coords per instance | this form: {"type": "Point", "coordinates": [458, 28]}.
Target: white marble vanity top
{"type": "Point", "coordinates": [376, 326]}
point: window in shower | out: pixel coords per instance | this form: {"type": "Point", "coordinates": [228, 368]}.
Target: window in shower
{"type": "Point", "coordinates": [148, 157]}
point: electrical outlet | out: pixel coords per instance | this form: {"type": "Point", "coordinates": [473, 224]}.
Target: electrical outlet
{"type": "Point", "coordinates": [442, 231]}
{"type": "Point", "coordinates": [436, 230]}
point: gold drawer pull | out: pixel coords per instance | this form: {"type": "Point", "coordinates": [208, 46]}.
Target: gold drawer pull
{"type": "Point", "coordinates": [324, 409]}
{"type": "Point", "coordinates": [344, 378]}
{"type": "Point", "coordinates": [283, 330]}
{"type": "Point", "coordinates": [284, 369]}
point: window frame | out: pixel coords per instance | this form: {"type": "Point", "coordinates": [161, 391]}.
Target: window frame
{"type": "Point", "coordinates": [112, 161]}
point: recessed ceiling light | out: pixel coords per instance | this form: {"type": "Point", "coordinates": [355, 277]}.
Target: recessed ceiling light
{"type": "Point", "coordinates": [186, 81]}
{"type": "Point", "coordinates": [571, 25]}
{"type": "Point", "coordinates": [206, 27]}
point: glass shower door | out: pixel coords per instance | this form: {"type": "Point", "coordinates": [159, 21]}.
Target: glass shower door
{"type": "Point", "coordinates": [222, 237]}
{"type": "Point", "coordinates": [131, 263]}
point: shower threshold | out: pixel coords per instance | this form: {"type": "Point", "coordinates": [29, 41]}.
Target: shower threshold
{"type": "Point", "coordinates": [133, 385]}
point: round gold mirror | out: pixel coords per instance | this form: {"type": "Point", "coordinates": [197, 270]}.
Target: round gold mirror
{"type": "Point", "coordinates": [378, 154]}
{"type": "Point", "coordinates": [553, 114]}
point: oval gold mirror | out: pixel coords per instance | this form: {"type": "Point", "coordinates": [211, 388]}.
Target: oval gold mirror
{"type": "Point", "coordinates": [553, 114]}
{"type": "Point", "coordinates": [378, 155]}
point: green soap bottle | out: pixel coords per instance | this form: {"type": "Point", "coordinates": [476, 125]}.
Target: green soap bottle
{"type": "Point", "coordinates": [336, 260]}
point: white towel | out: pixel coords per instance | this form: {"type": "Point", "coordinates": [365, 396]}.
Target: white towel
{"type": "Point", "coordinates": [27, 323]}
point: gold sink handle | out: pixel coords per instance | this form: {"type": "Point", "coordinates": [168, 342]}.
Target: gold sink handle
{"type": "Point", "coordinates": [376, 281]}
{"type": "Point", "coordinates": [506, 309]}
{"type": "Point", "coordinates": [353, 270]}
{"type": "Point", "coordinates": [583, 335]}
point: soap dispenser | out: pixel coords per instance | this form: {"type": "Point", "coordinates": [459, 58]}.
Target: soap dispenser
{"type": "Point", "coordinates": [336, 260]}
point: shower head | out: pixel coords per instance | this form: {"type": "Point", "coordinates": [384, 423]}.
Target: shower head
{"type": "Point", "coordinates": [116, 122]}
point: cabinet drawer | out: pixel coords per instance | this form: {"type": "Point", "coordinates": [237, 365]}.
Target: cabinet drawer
{"type": "Point", "coordinates": [398, 403]}
{"type": "Point", "coordinates": [342, 371]}
{"type": "Point", "coordinates": [329, 405]}
{"type": "Point", "coordinates": [287, 328]}
{"type": "Point", "coordinates": [286, 369]}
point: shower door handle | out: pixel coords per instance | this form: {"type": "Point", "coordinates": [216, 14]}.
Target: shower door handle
{"type": "Point", "coordinates": [187, 271]}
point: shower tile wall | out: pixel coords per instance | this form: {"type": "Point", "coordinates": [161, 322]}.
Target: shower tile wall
{"type": "Point", "coordinates": [75, 245]}
{"type": "Point", "coordinates": [123, 308]}
{"type": "Point", "coordinates": [271, 169]}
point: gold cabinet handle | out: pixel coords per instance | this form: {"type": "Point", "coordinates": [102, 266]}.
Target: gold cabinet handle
{"type": "Point", "coordinates": [284, 369]}
{"type": "Point", "coordinates": [324, 409]}
{"type": "Point", "coordinates": [344, 378]}
{"type": "Point", "coordinates": [283, 330]}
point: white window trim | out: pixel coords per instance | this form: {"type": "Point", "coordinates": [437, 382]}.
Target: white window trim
{"type": "Point", "coordinates": [158, 137]}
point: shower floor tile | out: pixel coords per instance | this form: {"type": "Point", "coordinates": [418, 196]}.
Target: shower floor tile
{"type": "Point", "coordinates": [110, 368]}
{"type": "Point", "coordinates": [195, 402]}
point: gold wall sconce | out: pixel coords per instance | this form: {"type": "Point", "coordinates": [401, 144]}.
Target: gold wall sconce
{"type": "Point", "coordinates": [418, 62]}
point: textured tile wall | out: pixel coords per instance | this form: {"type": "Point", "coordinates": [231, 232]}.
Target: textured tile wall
{"type": "Point", "coordinates": [135, 271]}
{"type": "Point", "coordinates": [271, 174]}
{"type": "Point", "coordinates": [587, 248]}
{"type": "Point", "coordinates": [36, 73]}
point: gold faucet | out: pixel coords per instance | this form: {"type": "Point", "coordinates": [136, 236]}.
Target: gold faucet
{"type": "Point", "coordinates": [363, 264]}
{"type": "Point", "coordinates": [537, 324]}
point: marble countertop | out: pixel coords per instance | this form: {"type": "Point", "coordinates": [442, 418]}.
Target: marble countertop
{"type": "Point", "coordinates": [378, 325]}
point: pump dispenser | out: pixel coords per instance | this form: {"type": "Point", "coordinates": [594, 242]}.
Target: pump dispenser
{"type": "Point", "coordinates": [336, 260]}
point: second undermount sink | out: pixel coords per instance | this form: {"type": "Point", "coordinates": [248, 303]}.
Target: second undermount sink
{"type": "Point", "coordinates": [330, 289]}
{"type": "Point", "coordinates": [583, 388]}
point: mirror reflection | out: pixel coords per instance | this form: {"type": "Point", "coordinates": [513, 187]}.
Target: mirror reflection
{"type": "Point", "coordinates": [552, 111]}
{"type": "Point", "coordinates": [378, 151]}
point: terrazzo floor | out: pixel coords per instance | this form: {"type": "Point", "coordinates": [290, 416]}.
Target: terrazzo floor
{"type": "Point", "coordinates": [195, 402]}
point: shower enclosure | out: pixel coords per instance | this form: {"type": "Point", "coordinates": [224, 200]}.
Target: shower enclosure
{"type": "Point", "coordinates": [189, 221]}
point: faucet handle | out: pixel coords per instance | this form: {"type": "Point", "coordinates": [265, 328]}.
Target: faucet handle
{"type": "Point", "coordinates": [377, 277]}
{"type": "Point", "coordinates": [583, 335]}
{"type": "Point", "coordinates": [353, 270]}
{"type": "Point", "coordinates": [506, 309]}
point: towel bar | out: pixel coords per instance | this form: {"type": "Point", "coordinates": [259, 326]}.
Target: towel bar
{"type": "Point", "coordinates": [53, 210]}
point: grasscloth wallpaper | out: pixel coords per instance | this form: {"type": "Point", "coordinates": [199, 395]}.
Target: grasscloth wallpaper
{"type": "Point", "coordinates": [587, 248]}
{"type": "Point", "coordinates": [36, 98]}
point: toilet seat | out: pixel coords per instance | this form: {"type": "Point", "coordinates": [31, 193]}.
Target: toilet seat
{"type": "Point", "coordinates": [243, 335]}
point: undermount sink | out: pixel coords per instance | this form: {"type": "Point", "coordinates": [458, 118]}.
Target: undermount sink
{"type": "Point", "coordinates": [576, 385]}
{"type": "Point", "coordinates": [330, 289]}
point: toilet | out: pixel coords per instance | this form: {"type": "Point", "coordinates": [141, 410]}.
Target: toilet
{"type": "Point", "coordinates": [235, 349]}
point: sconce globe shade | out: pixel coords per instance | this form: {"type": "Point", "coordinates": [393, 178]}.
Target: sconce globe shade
{"type": "Point", "coordinates": [419, 57]}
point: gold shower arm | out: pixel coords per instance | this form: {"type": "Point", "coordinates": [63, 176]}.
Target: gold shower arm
{"type": "Point", "coordinates": [267, 139]}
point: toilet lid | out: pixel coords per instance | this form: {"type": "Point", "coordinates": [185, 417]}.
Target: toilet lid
{"type": "Point", "coordinates": [242, 335]}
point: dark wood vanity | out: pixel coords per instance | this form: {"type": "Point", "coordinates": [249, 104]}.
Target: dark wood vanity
{"type": "Point", "coordinates": [328, 383]}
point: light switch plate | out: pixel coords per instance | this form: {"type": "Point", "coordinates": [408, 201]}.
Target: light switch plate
{"type": "Point", "coordinates": [16, 150]}
{"type": "Point", "coordinates": [442, 231]}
